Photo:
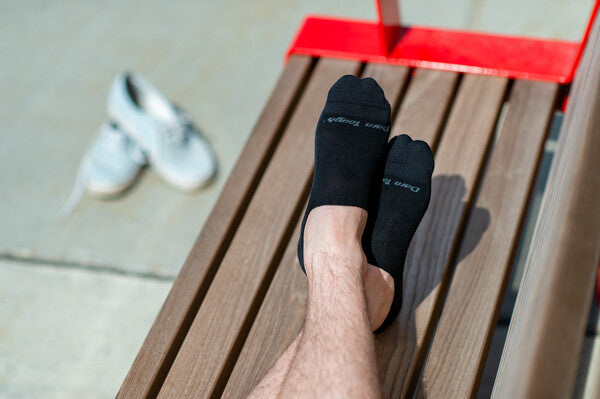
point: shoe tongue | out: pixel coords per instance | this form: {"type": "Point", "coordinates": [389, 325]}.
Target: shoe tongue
{"type": "Point", "coordinates": [161, 109]}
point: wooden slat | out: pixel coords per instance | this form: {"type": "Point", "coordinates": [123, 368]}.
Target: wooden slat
{"type": "Point", "coordinates": [422, 113]}
{"type": "Point", "coordinates": [275, 327]}
{"type": "Point", "coordinates": [457, 355]}
{"type": "Point", "coordinates": [282, 312]}
{"type": "Point", "coordinates": [216, 335]}
{"type": "Point", "coordinates": [540, 357]}
{"type": "Point", "coordinates": [164, 339]}
{"type": "Point", "coordinates": [400, 350]}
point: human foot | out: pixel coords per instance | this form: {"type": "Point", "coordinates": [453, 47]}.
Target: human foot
{"type": "Point", "coordinates": [397, 206]}
{"type": "Point", "coordinates": [379, 291]}
{"type": "Point", "coordinates": [350, 142]}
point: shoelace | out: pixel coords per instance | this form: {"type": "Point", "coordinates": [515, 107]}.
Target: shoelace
{"type": "Point", "coordinates": [178, 132]}
{"type": "Point", "coordinates": [113, 141]}
{"type": "Point", "coordinates": [79, 186]}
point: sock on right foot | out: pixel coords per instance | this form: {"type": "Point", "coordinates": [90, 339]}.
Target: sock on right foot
{"type": "Point", "coordinates": [397, 206]}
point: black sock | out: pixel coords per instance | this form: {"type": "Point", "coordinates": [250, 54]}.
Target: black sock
{"type": "Point", "coordinates": [350, 143]}
{"type": "Point", "coordinates": [397, 206]}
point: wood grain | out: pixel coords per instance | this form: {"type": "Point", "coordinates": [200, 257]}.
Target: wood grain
{"type": "Point", "coordinates": [545, 336]}
{"type": "Point", "coordinates": [217, 333]}
{"type": "Point", "coordinates": [459, 349]}
{"type": "Point", "coordinates": [423, 112]}
{"type": "Point", "coordinates": [275, 327]}
{"type": "Point", "coordinates": [282, 312]}
{"type": "Point", "coordinates": [401, 349]}
{"type": "Point", "coordinates": [168, 331]}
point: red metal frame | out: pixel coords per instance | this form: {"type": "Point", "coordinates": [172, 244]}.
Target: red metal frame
{"type": "Point", "coordinates": [388, 17]}
{"type": "Point", "coordinates": [386, 41]}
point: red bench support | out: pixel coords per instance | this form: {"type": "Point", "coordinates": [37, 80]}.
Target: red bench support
{"type": "Point", "coordinates": [386, 41]}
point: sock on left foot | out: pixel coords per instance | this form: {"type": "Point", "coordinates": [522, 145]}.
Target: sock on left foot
{"type": "Point", "coordinates": [350, 143]}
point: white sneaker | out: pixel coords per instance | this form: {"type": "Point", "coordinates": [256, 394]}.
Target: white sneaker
{"type": "Point", "coordinates": [175, 148]}
{"type": "Point", "coordinates": [109, 166]}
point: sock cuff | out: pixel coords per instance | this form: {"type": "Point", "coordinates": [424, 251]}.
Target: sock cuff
{"type": "Point", "coordinates": [339, 198]}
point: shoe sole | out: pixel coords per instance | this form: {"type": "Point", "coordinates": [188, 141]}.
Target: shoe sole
{"type": "Point", "coordinates": [111, 191]}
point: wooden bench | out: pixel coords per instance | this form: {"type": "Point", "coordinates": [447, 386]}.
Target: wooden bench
{"type": "Point", "coordinates": [239, 299]}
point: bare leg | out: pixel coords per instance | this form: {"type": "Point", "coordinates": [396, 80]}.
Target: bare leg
{"type": "Point", "coordinates": [379, 286]}
{"type": "Point", "coordinates": [335, 356]}
{"type": "Point", "coordinates": [270, 386]}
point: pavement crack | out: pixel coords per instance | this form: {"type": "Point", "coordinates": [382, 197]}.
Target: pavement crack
{"type": "Point", "coordinates": [94, 268]}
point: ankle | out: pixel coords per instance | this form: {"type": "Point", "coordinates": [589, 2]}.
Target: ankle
{"type": "Point", "coordinates": [333, 239]}
{"type": "Point", "coordinates": [335, 224]}
{"type": "Point", "coordinates": [338, 261]}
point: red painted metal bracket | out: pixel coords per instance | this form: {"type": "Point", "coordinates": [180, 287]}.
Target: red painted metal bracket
{"type": "Point", "coordinates": [453, 50]}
